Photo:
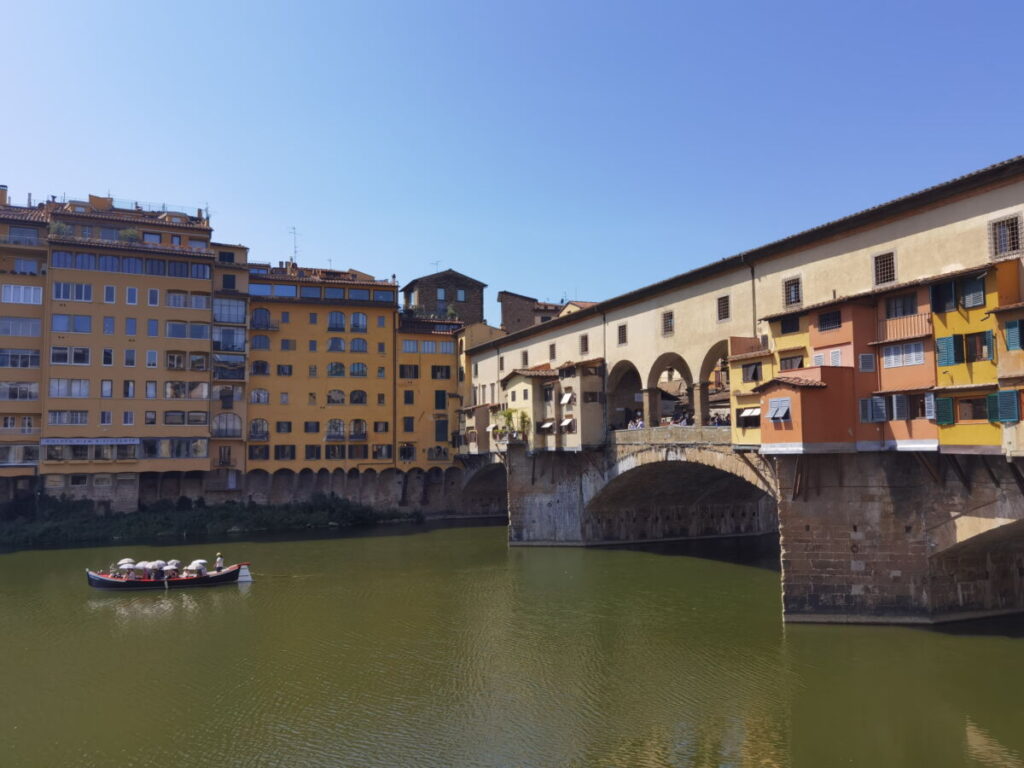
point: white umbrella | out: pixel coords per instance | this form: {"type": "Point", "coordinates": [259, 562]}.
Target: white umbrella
{"type": "Point", "coordinates": [142, 564]}
{"type": "Point", "coordinates": [199, 562]}
{"type": "Point", "coordinates": [157, 564]}
{"type": "Point", "coordinates": [170, 568]}
{"type": "Point", "coordinates": [176, 563]}
{"type": "Point", "coordinates": [125, 561]}
{"type": "Point", "coordinates": [128, 566]}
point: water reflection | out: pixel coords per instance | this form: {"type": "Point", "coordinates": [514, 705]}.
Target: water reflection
{"type": "Point", "coordinates": [168, 605]}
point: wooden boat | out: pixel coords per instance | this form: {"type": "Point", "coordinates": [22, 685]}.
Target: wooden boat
{"type": "Point", "coordinates": [232, 574]}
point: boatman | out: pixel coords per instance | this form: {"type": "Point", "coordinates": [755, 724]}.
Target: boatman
{"type": "Point", "coordinates": [218, 564]}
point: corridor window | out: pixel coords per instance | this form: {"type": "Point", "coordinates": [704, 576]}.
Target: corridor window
{"type": "Point", "coordinates": [1006, 236]}
{"type": "Point", "coordinates": [622, 333]}
{"type": "Point", "coordinates": [792, 292]}
{"type": "Point", "coordinates": [723, 307]}
{"type": "Point", "coordinates": [830, 321]}
{"type": "Point", "coordinates": [668, 323]}
{"type": "Point", "coordinates": [885, 268]}
{"type": "Point", "coordinates": [584, 347]}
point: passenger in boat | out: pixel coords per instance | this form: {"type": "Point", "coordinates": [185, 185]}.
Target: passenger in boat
{"type": "Point", "coordinates": [218, 564]}
{"type": "Point", "coordinates": [130, 576]}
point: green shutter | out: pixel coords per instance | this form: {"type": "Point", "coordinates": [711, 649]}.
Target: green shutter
{"type": "Point", "coordinates": [1013, 334]}
{"type": "Point", "coordinates": [992, 406]}
{"type": "Point", "coordinates": [950, 350]}
{"type": "Point", "coordinates": [1009, 406]}
{"type": "Point", "coordinates": [943, 411]}
{"type": "Point", "coordinates": [990, 345]}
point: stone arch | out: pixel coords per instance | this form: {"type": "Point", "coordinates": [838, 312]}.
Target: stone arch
{"type": "Point", "coordinates": [305, 484]}
{"type": "Point", "coordinates": [453, 479]}
{"type": "Point", "coordinates": [257, 485]}
{"type": "Point", "coordinates": [368, 487]}
{"type": "Point", "coordinates": [282, 486]}
{"type": "Point", "coordinates": [664, 362]}
{"type": "Point", "coordinates": [338, 478]}
{"type": "Point", "coordinates": [389, 487]}
{"type": "Point", "coordinates": [485, 493]}
{"type": "Point", "coordinates": [624, 388]}
{"type": "Point", "coordinates": [659, 403]}
{"type": "Point", "coordinates": [323, 481]}
{"type": "Point", "coordinates": [714, 378]}
{"type": "Point", "coordinates": [681, 493]}
{"type": "Point", "coordinates": [412, 487]}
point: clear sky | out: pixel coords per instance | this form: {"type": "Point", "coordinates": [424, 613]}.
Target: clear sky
{"type": "Point", "coordinates": [577, 149]}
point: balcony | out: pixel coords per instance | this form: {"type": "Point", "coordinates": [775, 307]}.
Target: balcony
{"type": "Point", "coordinates": [357, 436]}
{"type": "Point", "coordinates": [227, 433]}
{"type": "Point", "coordinates": [263, 325]}
{"type": "Point", "coordinates": [24, 240]}
{"type": "Point", "coordinates": [437, 454]}
{"type": "Point", "coordinates": [334, 437]}
{"type": "Point", "coordinates": [225, 461]}
{"type": "Point", "coordinates": [259, 436]}
{"type": "Point", "coordinates": [219, 345]}
{"type": "Point", "coordinates": [905, 327]}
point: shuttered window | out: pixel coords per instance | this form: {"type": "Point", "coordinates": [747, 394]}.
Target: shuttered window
{"type": "Point", "coordinates": [1013, 334]}
{"type": "Point", "coordinates": [949, 350]}
{"type": "Point", "coordinates": [778, 409]}
{"type": "Point", "coordinates": [943, 410]}
{"type": "Point", "coordinates": [867, 361]}
{"type": "Point", "coordinates": [874, 409]}
{"type": "Point", "coordinates": [972, 292]}
{"type": "Point", "coordinates": [944, 296]}
{"type": "Point", "coordinates": [1004, 406]}
{"type": "Point", "coordinates": [929, 405]}
{"type": "Point", "coordinates": [900, 411]}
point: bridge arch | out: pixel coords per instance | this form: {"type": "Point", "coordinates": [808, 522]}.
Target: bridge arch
{"type": "Point", "coordinates": [485, 493]}
{"type": "Point", "coordinates": [679, 492]}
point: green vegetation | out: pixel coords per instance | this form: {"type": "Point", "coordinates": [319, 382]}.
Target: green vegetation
{"type": "Point", "coordinates": [61, 522]}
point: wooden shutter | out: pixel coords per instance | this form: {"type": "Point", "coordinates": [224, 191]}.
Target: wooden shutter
{"type": "Point", "coordinates": [929, 405]}
{"type": "Point", "coordinates": [944, 351]}
{"type": "Point", "coordinates": [878, 409]}
{"type": "Point", "coordinates": [990, 345]}
{"type": "Point", "coordinates": [899, 408]}
{"type": "Point", "coordinates": [1009, 406]}
{"type": "Point", "coordinates": [992, 406]}
{"type": "Point", "coordinates": [1013, 334]}
{"type": "Point", "coordinates": [944, 411]}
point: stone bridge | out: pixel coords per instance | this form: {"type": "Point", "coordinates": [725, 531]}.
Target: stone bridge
{"type": "Point", "coordinates": [870, 537]}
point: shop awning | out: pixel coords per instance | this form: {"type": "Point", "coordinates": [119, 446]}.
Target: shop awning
{"type": "Point", "coordinates": [566, 398]}
{"type": "Point", "coordinates": [566, 422]}
{"type": "Point", "coordinates": [748, 412]}
{"type": "Point", "coordinates": [547, 425]}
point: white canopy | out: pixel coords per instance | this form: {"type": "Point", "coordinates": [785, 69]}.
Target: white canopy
{"type": "Point", "coordinates": [170, 567]}
{"type": "Point", "coordinates": [157, 564]}
{"type": "Point", "coordinates": [567, 422]}
{"type": "Point", "coordinates": [125, 560]}
{"type": "Point", "coordinates": [546, 425]}
{"type": "Point", "coordinates": [176, 563]}
{"type": "Point", "coordinates": [750, 412]}
{"type": "Point", "coordinates": [128, 566]}
{"type": "Point", "coordinates": [567, 398]}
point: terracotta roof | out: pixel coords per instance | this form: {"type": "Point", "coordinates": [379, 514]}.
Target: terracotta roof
{"type": "Point", "coordinates": [581, 304]}
{"type": "Point", "coordinates": [792, 381]}
{"type": "Point", "coordinates": [447, 272]}
{"type": "Point", "coordinates": [1008, 307]}
{"type": "Point", "coordinates": [998, 173]}
{"type": "Point", "coordinates": [23, 214]}
{"type": "Point", "coordinates": [591, 361]}
{"type": "Point", "coordinates": [531, 373]}
{"type": "Point", "coordinates": [750, 355]}
{"type": "Point", "coordinates": [959, 387]}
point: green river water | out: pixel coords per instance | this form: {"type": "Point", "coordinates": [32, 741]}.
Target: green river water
{"type": "Point", "coordinates": [446, 648]}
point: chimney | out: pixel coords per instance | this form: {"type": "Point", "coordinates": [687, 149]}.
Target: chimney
{"type": "Point", "coordinates": [29, 199]}
{"type": "Point", "coordinates": [3, 194]}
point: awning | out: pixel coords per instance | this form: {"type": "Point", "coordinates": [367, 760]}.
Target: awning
{"type": "Point", "coordinates": [547, 425]}
{"type": "Point", "coordinates": [779, 412]}
{"type": "Point", "coordinates": [566, 398]}
{"type": "Point", "coordinates": [748, 412]}
{"type": "Point", "coordinates": [567, 422]}
{"type": "Point", "coordinates": [490, 427]}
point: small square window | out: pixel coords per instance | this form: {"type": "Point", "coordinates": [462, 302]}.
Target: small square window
{"type": "Point", "coordinates": [622, 334]}
{"type": "Point", "coordinates": [668, 323]}
{"type": "Point", "coordinates": [885, 268]}
{"type": "Point", "coordinates": [792, 292]}
{"type": "Point", "coordinates": [830, 321]}
{"type": "Point", "coordinates": [1006, 236]}
{"type": "Point", "coordinates": [723, 307]}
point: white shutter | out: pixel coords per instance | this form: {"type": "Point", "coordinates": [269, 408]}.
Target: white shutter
{"type": "Point", "coordinates": [867, 361]}
{"type": "Point", "coordinates": [819, 359]}
{"type": "Point", "coordinates": [899, 408]}
{"type": "Point", "coordinates": [913, 353]}
{"type": "Point", "coordinates": [878, 409]}
{"type": "Point", "coordinates": [835, 358]}
{"type": "Point", "coordinates": [892, 357]}
{"type": "Point", "coordinates": [929, 405]}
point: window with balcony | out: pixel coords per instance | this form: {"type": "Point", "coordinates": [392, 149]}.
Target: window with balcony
{"type": "Point", "coordinates": [335, 397]}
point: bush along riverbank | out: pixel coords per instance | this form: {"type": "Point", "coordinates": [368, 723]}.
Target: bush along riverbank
{"type": "Point", "coordinates": [62, 522]}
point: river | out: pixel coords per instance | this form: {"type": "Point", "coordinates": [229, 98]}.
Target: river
{"type": "Point", "coordinates": [443, 647]}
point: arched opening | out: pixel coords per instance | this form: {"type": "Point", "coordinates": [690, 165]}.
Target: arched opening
{"type": "Point", "coordinates": [323, 481]}
{"type": "Point", "coordinates": [282, 486]}
{"type": "Point", "coordinates": [486, 493]}
{"type": "Point", "coordinates": [625, 395]}
{"type": "Point", "coordinates": [227, 425]}
{"type": "Point", "coordinates": [669, 393]}
{"type": "Point", "coordinates": [711, 398]}
{"type": "Point", "coordinates": [305, 485]}
{"type": "Point", "coordinates": [453, 477]}
{"type": "Point", "coordinates": [671, 500]}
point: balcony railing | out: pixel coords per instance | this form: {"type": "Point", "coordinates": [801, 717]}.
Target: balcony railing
{"type": "Point", "coordinates": [225, 462]}
{"type": "Point", "coordinates": [263, 325]}
{"type": "Point", "coordinates": [219, 345]}
{"type": "Point", "coordinates": [334, 437]}
{"type": "Point", "coordinates": [258, 436]}
{"type": "Point", "coordinates": [437, 454]}
{"type": "Point", "coordinates": [34, 242]}
{"type": "Point", "coordinates": [906, 327]}
{"type": "Point", "coordinates": [357, 436]}
{"type": "Point", "coordinates": [225, 432]}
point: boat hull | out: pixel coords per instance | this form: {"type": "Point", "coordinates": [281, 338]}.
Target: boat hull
{"type": "Point", "coordinates": [229, 575]}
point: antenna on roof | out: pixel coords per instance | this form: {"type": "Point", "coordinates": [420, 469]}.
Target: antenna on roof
{"type": "Point", "coordinates": [437, 265]}
{"type": "Point", "coordinates": [295, 244]}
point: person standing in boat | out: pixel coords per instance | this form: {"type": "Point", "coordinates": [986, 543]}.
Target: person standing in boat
{"type": "Point", "coordinates": [218, 564]}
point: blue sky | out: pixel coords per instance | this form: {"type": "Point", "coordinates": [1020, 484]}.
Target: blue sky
{"type": "Point", "coordinates": [576, 149]}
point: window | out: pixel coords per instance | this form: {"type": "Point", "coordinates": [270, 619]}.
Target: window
{"type": "Point", "coordinates": [283, 427]}
{"type": "Point", "coordinates": [131, 295]}
{"type": "Point", "coordinates": [259, 396]}
{"type": "Point", "coordinates": [972, 409]}
{"type": "Point", "coordinates": [335, 397]}
{"type": "Point", "coordinates": [284, 452]}
{"type": "Point", "coordinates": [408, 371]}
{"type": "Point", "coordinates": [310, 426]}
{"type": "Point", "coordinates": [441, 430]}
{"type": "Point", "coordinates": [874, 409]}
{"type": "Point", "coordinates": [19, 358]}
{"type": "Point", "coordinates": [972, 292]}
{"type": "Point", "coordinates": [312, 318]}
{"type": "Point", "coordinates": [901, 306]}
{"type": "Point", "coordinates": [284, 370]}
{"type": "Point", "coordinates": [752, 372]}
{"type": "Point", "coordinates": [885, 268]}
{"type": "Point", "coordinates": [129, 358]}
{"type": "Point", "coordinates": [381, 372]}
{"type": "Point", "coordinates": [154, 297]}
{"type": "Point", "coordinates": [312, 452]}
{"type": "Point", "coordinates": [866, 362]}
{"type": "Point", "coordinates": [1006, 236]}
{"type": "Point", "coordinates": [128, 388]}
{"type": "Point", "coordinates": [584, 344]}
{"type": "Point", "coordinates": [151, 390]}
{"type": "Point", "coordinates": [283, 398]}
{"type": "Point", "coordinates": [524, 358]}
{"type": "Point", "coordinates": [789, 324]}
{"type": "Point", "coordinates": [336, 321]}
{"type": "Point", "coordinates": [818, 359]}
{"type": "Point", "coordinates": [440, 399]}
{"type": "Point", "coordinates": [792, 292]}
{"type": "Point", "coordinates": [835, 358]}
{"type": "Point", "coordinates": [440, 372]}
{"type": "Point", "coordinates": [311, 371]}
{"type": "Point", "coordinates": [19, 390]}
{"type": "Point", "coordinates": [949, 350]}
{"type": "Point", "coordinates": [312, 345]}
{"type": "Point", "coordinates": [357, 369]}
{"type": "Point", "coordinates": [622, 333]}
{"type": "Point", "coordinates": [259, 428]}
{"type": "Point", "coordinates": [357, 397]}
{"type": "Point", "coordinates": [259, 452]}
{"type": "Point", "coordinates": [69, 355]}
{"type": "Point", "coordinates": [501, 363]}
{"type": "Point", "coordinates": [723, 308]}
{"type": "Point", "coordinates": [130, 324]}
{"type": "Point", "coordinates": [28, 294]}
{"type": "Point", "coordinates": [151, 357]}
{"type": "Point", "coordinates": [978, 346]}
{"type": "Point", "coordinates": [20, 326]}
{"type": "Point", "coordinates": [24, 235]}
{"type": "Point", "coordinates": [26, 267]}
{"type": "Point", "coordinates": [668, 323]}
{"type": "Point", "coordinates": [109, 294]}
{"type": "Point", "coordinates": [358, 345]}
{"type": "Point", "coordinates": [358, 324]}
{"type": "Point", "coordinates": [440, 294]}
{"type": "Point", "coordinates": [260, 341]}
{"type": "Point", "coordinates": [152, 327]}
{"type": "Point", "coordinates": [106, 418]}
{"type": "Point", "coordinates": [107, 388]}
{"type": "Point", "coordinates": [408, 397]}
{"type": "Point", "coordinates": [71, 323]}
{"type": "Point", "coordinates": [898, 355]}
{"type": "Point", "coordinates": [830, 321]}
{"type": "Point", "coordinates": [1013, 334]}
{"type": "Point", "coordinates": [69, 388]}
{"type": "Point", "coordinates": [778, 409]}
{"type": "Point", "coordinates": [108, 326]}
{"type": "Point", "coordinates": [380, 427]}
{"type": "Point", "coordinates": [791, 363]}
{"type": "Point", "coordinates": [61, 418]}
{"type": "Point", "coordinates": [381, 398]}
{"type": "Point", "coordinates": [408, 424]}
{"type": "Point", "coordinates": [287, 345]}
{"type": "Point", "coordinates": [227, 282]}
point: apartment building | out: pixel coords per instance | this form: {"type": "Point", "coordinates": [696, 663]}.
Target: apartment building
{"type": "Point", "coordinates": [146, 361]}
